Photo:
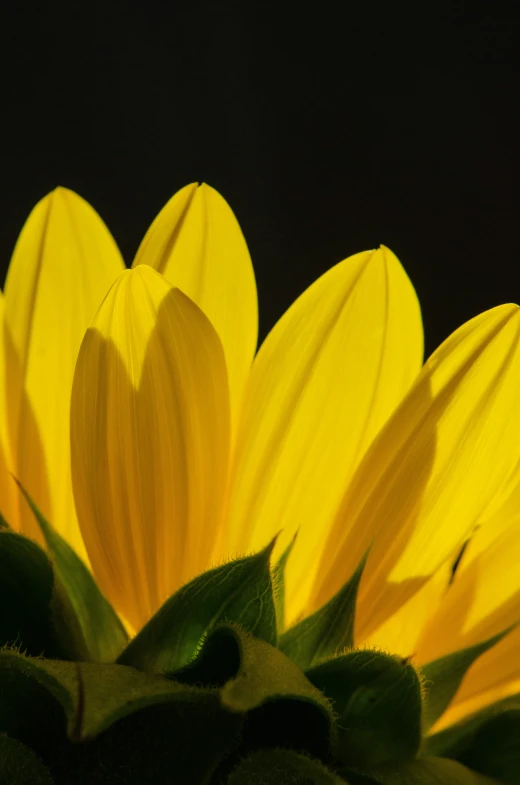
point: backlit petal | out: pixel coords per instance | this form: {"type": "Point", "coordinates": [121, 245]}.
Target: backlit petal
{"type": "Point", "coordinates": [8, 491]}
{"type": "Point", "coordinates": [197, 244]}
{"type": "Point", "coordinates": [323, 383]}
{"type": "Point", "coordinates": [62, 266]}
{"type": "Point", "coordinates": [484, 598]}
{"type": "Point", "coordinates": [401, 633]}
{"type": "Point", "coordinates": [150, 441]}
{"type": "Point", "coordinates": [432, 471]}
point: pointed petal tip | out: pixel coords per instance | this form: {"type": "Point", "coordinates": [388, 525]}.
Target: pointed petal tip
{"type": "Point", "coordinates": [64, 193]}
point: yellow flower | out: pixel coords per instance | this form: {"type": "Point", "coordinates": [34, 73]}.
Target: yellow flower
{"type": "Point", "coordinates": [185, 450]}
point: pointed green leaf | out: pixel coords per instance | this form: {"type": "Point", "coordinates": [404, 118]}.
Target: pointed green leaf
{"type": "Point", "coordinates": [26, 588]}
{"type": "Point", "coordinates": [19, 765]}
{"type": "Point", "coordinates": [85, 621]}
{"type": "Point", "coordinates": [240, 591]}
{"type": "Point", "coordinates": [425, 771]}
{"type": "Point", "coordinates": [4, 526]}
{"type": "Point", "coordinates": [442, 677]}
{"type": "Point", "coordinates": [487, 741]}
{"type": "Point", "coordinates": [282, 767]}
{"type": "Point", "coordinates": [266, 673]}
{"type": "Point", "coordinates": [377, 698]}
{"type": "Point", "coordinates": [279, 586]}
{"type": "Point", "coordinates": [284, 709]}
{"type": "Point", "coordinates": [327, 632]}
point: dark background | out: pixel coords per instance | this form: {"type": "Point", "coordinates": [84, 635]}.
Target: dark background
{"type": "Point", "coordinates": [329, 131]}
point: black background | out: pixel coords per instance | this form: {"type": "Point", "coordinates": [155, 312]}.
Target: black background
{"type": "Point", "coordinates": [329, 130]}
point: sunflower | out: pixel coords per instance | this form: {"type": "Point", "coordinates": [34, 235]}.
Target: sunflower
{"type": "Point", "coordinates": [140, 422]}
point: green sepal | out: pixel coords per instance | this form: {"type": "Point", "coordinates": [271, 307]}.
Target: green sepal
{"type": "Point", "coordinates": [279, 586]}
{"type": "Point", "coordinates": [19, 765]}
{"type": "Point", "coordinates": [328, 631]}
{"type": "Point", "coordinates": [98, 724]}
{"type": "Point", "coordinates": [442, 677]}
{"type": "Point", "coordinates": [86, 624]}
{"type": "Point", "coordinates": [377, 698]}
{"type": "Point", "coordinates": [422, 771]}
{"type": "Point", "coordinates": [256, 679]}
{"type": "Point", "coordinates": [94, 696]}
{"type": "Point", "coordinates": [282, 767]}
{"type": "Point", "coordinates": [240, 591]}
{"type": "Point", "coordinates": [26, 590]}
{"type": "Point", "coordinates": [487, 741]}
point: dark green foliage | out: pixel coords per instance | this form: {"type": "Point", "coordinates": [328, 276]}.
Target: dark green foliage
{"type": "Point", "coordinates": [85, 622]}
{"type": "Point", "coordinates": [279, 586]}
{"type": "Point", "coordinates": [282, 767]}
{"type": "Point", "coordinates": [327, 632]}
{"type": "Point", "coordinates": [443, 677]}
{"type": "Point", "coordinates": [378, 700]}
{"type": "Point", "coordinates": [488, 741]}
{"type": "Point", "coordinates": [19, 765]}
{"type": "Point", "coordinates": [26, 592]}
{"type": "Point", "coordinates": [240, 592]}
{"type": "Point", "coordinates": [202, 696]}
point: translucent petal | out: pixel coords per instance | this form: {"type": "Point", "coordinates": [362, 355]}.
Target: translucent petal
{"type": "Point", "coordinates": [400, 634]}
{"type": "Point", "coordinates": [62, 266]}
{"type": "Point", "coordinates": [197, 244]}
{"type": "Point", "coordinates": [8, 491]}
{"type": "Point", "coordinates": [484, 598]}
{"type": "Point", "coordinates": [150, 441]}
{"type": "Point", "coordinates": [323, 383]}
{"type": "Point", "coordinates": [432, 471]}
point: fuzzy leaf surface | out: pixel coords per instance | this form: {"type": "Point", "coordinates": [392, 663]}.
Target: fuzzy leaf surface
{"type": "Point", "coordinates": [378, 700]}
{"type": "Point", "coordinates": [282, 767]}
{"type": "Point", "coordinates": [240, 592]}
{"type": "Point", "coordinates": [283, 708]}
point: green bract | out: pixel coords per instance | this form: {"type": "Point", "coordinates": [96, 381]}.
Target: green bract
{"type": "Point", "coordinates": [203, 695]}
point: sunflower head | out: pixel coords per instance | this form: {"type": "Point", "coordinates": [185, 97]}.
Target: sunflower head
{"type": "Point", "coordinates": [223, 566]}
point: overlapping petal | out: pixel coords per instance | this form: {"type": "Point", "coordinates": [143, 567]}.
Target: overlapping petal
{"type": "Point", "coordinates": [323, 383]}
{"type": "Point", "coordinates": [196, 243]}
{"type": "Point", "coordinates": [62, 266]}
{"type": "Point", "coordinates": [483, 600]}
{"type": "Point", "coordinates": [183, 456]}
{"type": "Point", "coordinates": [150, 441]}
{"type": "Point", "coordinates": [400, 633]}
{"type": "Point", "coordinates": [433, 470]}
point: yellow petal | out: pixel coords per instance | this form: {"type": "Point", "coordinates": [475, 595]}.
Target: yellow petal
{"type": "Point", "coordinates": [8, 496]}
{"type": "Point", "coordinates": [400, 634]}
{"type": "Point", "coordinates": [484, 598]}
{"type": "Point", "coordinates": [323, 383]}
{"type": "Point", "coordinates": [197, 244]}
{"type": "Point", "coordinates": [62, 266]}
{"type": "Point", "coordinates": [432, 471]}
{"type": "Point", "coordinates": [150, 441]}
